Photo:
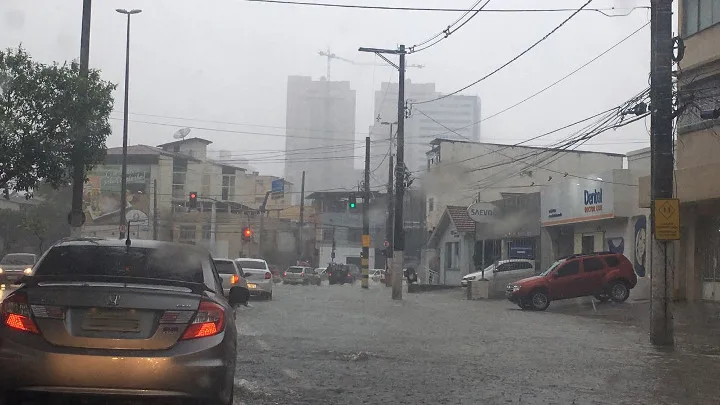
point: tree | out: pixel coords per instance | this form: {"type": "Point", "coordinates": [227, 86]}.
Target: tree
{"type": "Point", "coordinates": [42, 109]}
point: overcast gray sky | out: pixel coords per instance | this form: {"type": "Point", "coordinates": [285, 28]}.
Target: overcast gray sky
{"type": "Point", "coordinates": [228, 60]}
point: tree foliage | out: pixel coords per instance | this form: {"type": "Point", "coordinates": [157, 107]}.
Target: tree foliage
{"type": "Point", "coordinates": [42, 109]}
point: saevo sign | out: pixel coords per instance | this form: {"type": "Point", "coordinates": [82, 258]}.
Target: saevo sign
{"type": "Point", "coordinates": [483, 212]}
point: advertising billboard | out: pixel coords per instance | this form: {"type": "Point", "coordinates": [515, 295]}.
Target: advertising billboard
{"type": "Point", "coordinates": [577, 200]}
{"type": "Point", "coordinates": [102, 195]}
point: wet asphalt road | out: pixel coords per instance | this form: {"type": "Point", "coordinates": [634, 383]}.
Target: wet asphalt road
{"type": "Point", "coordinates": [344, 345]}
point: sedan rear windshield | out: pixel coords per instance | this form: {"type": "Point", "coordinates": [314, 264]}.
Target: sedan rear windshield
{"type": "Point", "coordinates": [18, 259]}
{"type": "Point", "coordinates": [225, 267]}
{"type": "Point", "coordinates": [251, 264]}
{"type": "Point", "coordinates": [166, 263]}
{"type": "Point", "coordinates": [295, 270]}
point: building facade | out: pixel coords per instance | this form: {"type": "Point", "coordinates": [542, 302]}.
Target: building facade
{"type": "Point", "coordinates": [320, 134]}
{"type": "Point", "coordinates": [458, 112]}
{"type": "Point", "coordinates": [461, 172]}
{"type": "Point", "coordinates": [697, 254]}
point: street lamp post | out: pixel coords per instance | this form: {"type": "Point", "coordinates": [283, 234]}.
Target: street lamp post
{"type": "Point", "coordinates": [123, 179]}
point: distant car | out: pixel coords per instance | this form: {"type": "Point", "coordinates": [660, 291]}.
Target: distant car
{"type": "Point", "coordinates": [377, 274]}
{"type": "Point", "coordinates": [301, 275]}
{"type": "Point", "coordinates": [101, 318]}
{"type": "Point", "coordinates": [340, 274]}
{"type": "Point", "coordinates": [502, 273]}
{"type": "Point", "coordinates": [14, 266]}
{"type": "Point", "coordinates": [258, 276]}
{"type": "Point", "coordinates": [605, 275]}
{"type": "Point", "coordinates": [231, 276]}
{"type": "Point", "coordinates": [322, 272]}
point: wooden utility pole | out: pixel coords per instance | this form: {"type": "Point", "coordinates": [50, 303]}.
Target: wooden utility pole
{"type": "Point", "coordinates": [155, 211]}
{"type": "Point", "coordinates": [365, 260]}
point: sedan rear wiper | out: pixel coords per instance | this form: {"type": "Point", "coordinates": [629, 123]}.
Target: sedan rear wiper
{"type": "Point", "coordinates": [34, 280]}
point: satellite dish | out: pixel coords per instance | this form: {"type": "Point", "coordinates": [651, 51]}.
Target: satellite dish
{"type": "Point", "coordinates": [181, 133]}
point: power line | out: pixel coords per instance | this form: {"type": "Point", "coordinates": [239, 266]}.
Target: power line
{"type": "Point", "coordinates": [518, 56]}
{"type": "Point", "coordinates": [439, 37]}
{"type": "Point", "coordinates": [603, 11]}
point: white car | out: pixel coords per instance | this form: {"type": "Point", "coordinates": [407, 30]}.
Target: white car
{"type": "Point", "coordinates": [503, 273]}
{"type": "Point", "coordinates": [258, 276]}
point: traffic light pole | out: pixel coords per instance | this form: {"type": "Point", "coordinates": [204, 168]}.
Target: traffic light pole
{"type": "Point", "coordinates": [365, 261]}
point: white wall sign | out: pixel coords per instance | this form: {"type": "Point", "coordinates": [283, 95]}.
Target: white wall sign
{"type": "Point", "coordinates": [483, 212]}
{"type": "Point", "coordinates": [578, 200]}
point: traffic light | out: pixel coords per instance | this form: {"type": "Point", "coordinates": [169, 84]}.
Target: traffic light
{"type": "Point", "coordinates": [192, 201]}
{"type": "Point", "coordinates": [352, 201]}
{"type": "Point", "coordinates": [247, 234]}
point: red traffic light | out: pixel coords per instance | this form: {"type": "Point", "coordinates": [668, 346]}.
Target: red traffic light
{"type": "Point", "coordinates": [193, 195]}
{"type": "Point", "coordinates": [247, 233]}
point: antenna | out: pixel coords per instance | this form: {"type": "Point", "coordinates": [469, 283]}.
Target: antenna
{"type": "Point", "coordinates": [181, 133]}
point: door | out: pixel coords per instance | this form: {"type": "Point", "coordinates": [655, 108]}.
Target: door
{"type": "Point", "coordinates": [593, 270]}
{"type": "Point", "coordinates": [566, 281]}
{"type": "Point", "coordinates": [588, 244]}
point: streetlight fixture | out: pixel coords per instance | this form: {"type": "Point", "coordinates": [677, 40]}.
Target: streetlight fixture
{"type": "Point", "coordinates": [123, 180]}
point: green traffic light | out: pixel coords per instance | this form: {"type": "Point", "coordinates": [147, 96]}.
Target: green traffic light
{"type": "Point", "coordinates": [352, 205]}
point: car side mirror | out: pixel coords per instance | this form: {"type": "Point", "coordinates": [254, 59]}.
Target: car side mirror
{"type": "Point", "coordinates": [238, 296]}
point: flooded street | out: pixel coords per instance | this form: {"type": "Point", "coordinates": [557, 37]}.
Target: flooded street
{"type": "Point", "coordinates": [343, 345]}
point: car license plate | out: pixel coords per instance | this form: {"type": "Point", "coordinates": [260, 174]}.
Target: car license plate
{"type": "Point", "coordinates": [118, 321]}
{"type": "Point", "coordinates": [251, 285]}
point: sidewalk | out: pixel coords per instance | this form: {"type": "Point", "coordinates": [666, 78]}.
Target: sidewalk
{"type": "Point", "coordinates": [697, 325]}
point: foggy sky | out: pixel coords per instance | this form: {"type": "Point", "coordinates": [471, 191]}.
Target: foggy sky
{"type": "Point", "coordinates": [228, 60]}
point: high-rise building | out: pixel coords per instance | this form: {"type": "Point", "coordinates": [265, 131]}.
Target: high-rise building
{"type": "Point", "coordinates": [320, 134]}
{"type": "Point", "coordinates": [458, 112]}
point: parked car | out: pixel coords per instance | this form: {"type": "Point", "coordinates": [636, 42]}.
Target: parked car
{"type": "Point", "coordinates": [14, 266]}
{"type": "Point", "coordinates": [502, 273]}
{"type": "Point", "coordinates": [322, 272]}
{"type": "Point", "coordinates": [258, 276]}
{"type": "Point", "coordinates": [340, 274]}
{"type": "Point", "coordinates": [301, 275]}
{"type": "Point", "coordinates": [604, 275]}
{"type": "Point", "coordinates": [231, 276]}
{"type": "Point", "coordinates": [98, 317]}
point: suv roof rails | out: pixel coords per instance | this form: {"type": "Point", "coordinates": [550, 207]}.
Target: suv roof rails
{"type": "Point", "coordinates": [589, 254]}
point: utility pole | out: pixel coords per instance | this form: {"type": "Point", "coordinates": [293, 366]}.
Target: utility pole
{"type": "Point", "coordinates": [365, 261]}
{"type": "Point", "coordinates": [399, 231]}
{"type": "Point", "coordinates": [389, 224]}
{"type": "Point", "coordinates": [77, 216]}
{"type": "Point", "coordinates": [390, 205]}
{"type": "Point", "coordinates": [213, 226]}
{"type": "Point", "coordinates": [301, 246]}
{"type": "Point", "coordinates": [262, 223]}
{"type": "Point", "coordinates": [662, 166]}
{"type": "Point", "coordinates": [155, 211]}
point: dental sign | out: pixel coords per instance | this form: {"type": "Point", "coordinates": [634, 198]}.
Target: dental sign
{"type": "Point", "coordinates": [578, 200]}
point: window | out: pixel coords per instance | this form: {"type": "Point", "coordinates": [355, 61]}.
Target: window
{"type": "Point", "coordinates": [524, 265]}
{"type": "Point", "coordinates": [178, 181]}
{"type": "Point", "coordinates": [588, 244]}
{"type": "Point", "coordinates": [612, 261]}
{"type": "Point", "coordinates": [504, 267]}
{"type": "Point", "coordinates": [228, 187]}
{"type": "Point", "coordinates": [592, 264]}
{"type": "Point", "coordinates": [206, 232]}
{"type": "Point", "coordinates": [699, 14]}
{"type": "Point", "coordinates": [327, 235]}
{"type": "Point", "coordinates": [205, 190]}
{"type": "Point", "coordinates": [225, 267]}
{"type": "Point", "coordinates": [354, 234]}
{"type": "Point", "coordinates": [569, 269]}
{"type": "Point", "coordinates": [431, 204]}
{"type": "Point", "coordinates": [452, 255]}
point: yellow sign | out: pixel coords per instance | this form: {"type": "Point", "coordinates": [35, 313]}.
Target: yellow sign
{"type": "Point", "coordinates": [666, 216]}
{"type": "Point", "coordinates": [366, 241]}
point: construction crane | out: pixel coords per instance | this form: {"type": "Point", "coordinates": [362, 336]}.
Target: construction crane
{"type": "Point", "coordinates": [330, 56]}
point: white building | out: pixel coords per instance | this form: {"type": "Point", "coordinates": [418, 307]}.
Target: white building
{"type": "Point", "coordinates": [320, 134]}
{"type": "Point", "coordinates": [461, 172]}
{"type": "Point", "coordinates": [459, 113]}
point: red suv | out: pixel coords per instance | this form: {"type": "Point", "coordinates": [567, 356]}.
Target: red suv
{"type": "Point", "coordinates": [603, 275]}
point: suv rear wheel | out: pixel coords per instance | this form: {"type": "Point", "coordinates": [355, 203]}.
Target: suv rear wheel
{"type": "Point", "coordinates": [619, 291]}
{"type": "Point", "coordinates": [539, 300]}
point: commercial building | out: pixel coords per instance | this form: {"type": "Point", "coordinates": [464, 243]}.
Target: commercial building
{"type": "Point", "coordinates": [320, 134]}
{"type": "Point", "coordinates": [462, 172]}
{"type": "Point", "coordinates": [697, 273]}
{"type": "Point", "coordinates": [425, 123]}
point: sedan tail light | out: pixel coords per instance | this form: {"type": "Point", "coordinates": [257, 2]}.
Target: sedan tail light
{"type": "Point", "coordinates": [15, 314]}
{"type": "Point", "coordinates": [234, 279]}
{"type": "Point", "coordinates": [268, 275]}
{"type": "Point", "coordinates": [285, 274]}
{"type": "Point", "coordinates": [209, 321]}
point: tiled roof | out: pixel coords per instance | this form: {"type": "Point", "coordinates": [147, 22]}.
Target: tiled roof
{"type": "Point", "coordinates": [461, 219]}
